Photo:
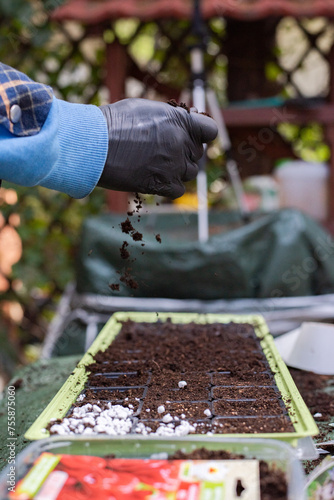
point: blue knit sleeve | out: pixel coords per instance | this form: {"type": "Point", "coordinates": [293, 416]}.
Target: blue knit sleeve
{"type": "Point", "coordinates": [67, 155]}
{"type": "Point", "coordinates": [82, 146]}
{"type": "Point", "coordinates": [46, 141]}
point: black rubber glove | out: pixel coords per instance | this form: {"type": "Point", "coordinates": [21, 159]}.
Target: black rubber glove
{"type": "Point", "coordinates": [153, 146]}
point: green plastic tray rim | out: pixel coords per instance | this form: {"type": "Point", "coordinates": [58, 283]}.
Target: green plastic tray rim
{"type": "Point", "coordinates": [301, 418]}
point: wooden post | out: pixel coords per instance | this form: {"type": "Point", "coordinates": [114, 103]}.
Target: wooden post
{"type": "Point", "coordinates": [248, 47]}
{"type": "Point", "coordinates": [330, 140]}
{"type": "Point", "coordinates": [116, 72]}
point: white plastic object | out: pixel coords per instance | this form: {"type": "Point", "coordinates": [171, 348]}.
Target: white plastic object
{"type": "Point", "coordinates": [268, 188]}
{"type": "Point", "coordinates": [303, 185]}
{"type": "Point", "coordinates": [309, 348]}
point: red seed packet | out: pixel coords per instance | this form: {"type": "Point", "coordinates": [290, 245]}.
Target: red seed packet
{"type": "Point", "coordinates": [68, 477]}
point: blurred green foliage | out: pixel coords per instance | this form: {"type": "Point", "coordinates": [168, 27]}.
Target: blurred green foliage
{"type": "Point", "coordinates": [50, 222]}
{"type": "Point", "coordinates": [49, 228]}
{"type": "Point", "coordinates": [308, 142]}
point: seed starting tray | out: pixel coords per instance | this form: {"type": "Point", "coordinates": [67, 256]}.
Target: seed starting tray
{"type": "Point", "coordinates": [224, 406]}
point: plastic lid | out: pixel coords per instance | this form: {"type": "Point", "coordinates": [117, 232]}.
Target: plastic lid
{"type": "Point", "coordinates": [295, 169]}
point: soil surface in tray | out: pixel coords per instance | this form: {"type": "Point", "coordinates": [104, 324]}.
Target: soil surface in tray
{"type": "Point", "coordinates": [317, 391]}
{"type": "Point", "coordinates": [273, 485]}
{"type": "Point", "coordinates": [213, 375]}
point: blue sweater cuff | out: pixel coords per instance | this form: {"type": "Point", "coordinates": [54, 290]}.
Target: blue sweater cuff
{"type": "Point", "coordinates": [83, 147]}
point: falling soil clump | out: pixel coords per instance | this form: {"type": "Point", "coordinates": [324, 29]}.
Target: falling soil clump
{"type": "Point", "coordinates": [139, 202]}
{"type": "Point", "coordinates": [114, 287]}
{"type": "Point", "coordinates": [124, 252]}
{"type": "Point", "coordinates": [137, 236]}
{"type": "Point", "coordinates": [127, 226]}
{"type": "Point", "coordinates": [128, 280]}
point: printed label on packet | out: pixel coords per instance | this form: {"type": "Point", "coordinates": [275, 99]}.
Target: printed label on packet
{"type": "Point", "coordinates": [68, 477]}
{"type": "Point", "coordinates": [28, 487]}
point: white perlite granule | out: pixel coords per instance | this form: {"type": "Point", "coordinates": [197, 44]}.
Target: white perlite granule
{"type": "Point", "coordinates": [116, 420]}
{"type": "Point", "coordinates": [207, 412]}
{"type": "Point", "coordinates": [161, 409]}
{"type": "Point", "coordinates": [91, 419]}
{"type": "Point", "coordinates": [167, 429]}
{"type": "Point", "coordinates": [182, 384]}
{"type": "Point", "coordinates": [167, 418]}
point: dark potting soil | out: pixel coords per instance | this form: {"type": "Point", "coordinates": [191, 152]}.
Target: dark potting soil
{"type": "Point", "coordinates": [273, 484]}
{"type": "Point", "coordinates": [223, 365]}
{"type": "Point", "coordinates": [125, 254]}
{"type": "Point", "coordinates": [128, 279]}
{"type": "Point", "coordinates": [114, 286]}
{"type": "Point", "coordinates": [137, 236]}
{"type": "Point", "coordinates": [312, 388]}
{"type": "Point", "coordinates": [175, 104]}
{"type": "Point", "coordinates": [317, 392]}
{"type": "Point", "coordinates": [128, 228]}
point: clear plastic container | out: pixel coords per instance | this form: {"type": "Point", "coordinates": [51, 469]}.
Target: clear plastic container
{"type": "Point", "coordinates": [271, 451]}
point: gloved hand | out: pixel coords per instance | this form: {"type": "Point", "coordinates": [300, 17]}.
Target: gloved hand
{"type": "Point", "coordinates": [153, 146]}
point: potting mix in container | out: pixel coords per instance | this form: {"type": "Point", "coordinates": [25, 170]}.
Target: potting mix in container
{"type": "Point", "coordinates": [179, 374]}
{"type": "Point", "coordinates": [182, 385]}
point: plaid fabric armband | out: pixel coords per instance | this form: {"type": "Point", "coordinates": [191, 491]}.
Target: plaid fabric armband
{"type": "Point", "coordinates": [24, 104]}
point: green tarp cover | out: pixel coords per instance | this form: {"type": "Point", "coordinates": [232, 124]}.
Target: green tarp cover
{"type": "Point", "coordinates": [285, 253]}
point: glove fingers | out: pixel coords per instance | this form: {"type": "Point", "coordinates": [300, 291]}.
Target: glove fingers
{"type": "Point", "coordinates": [204, 126]}
{"type": "Point", "coordinates": [176, 190]}
{"type": "Point", "coordinates": [191, 171]}
{"type": "Point", "coordinates": [196, 152]}
{"type": "Point", "coordinates": [162, 187]}
{"type": "Point", "coordinates": [172, 190]}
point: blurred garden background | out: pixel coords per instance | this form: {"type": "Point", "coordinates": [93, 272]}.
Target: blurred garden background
{"type": "Point", "coordinates": [40, 229]}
